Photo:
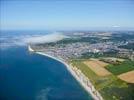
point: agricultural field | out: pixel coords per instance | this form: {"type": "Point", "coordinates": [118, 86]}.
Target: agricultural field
{"type": "Point", "coordinates": [97, 67]}
{"type": "Point", "coordinates": [121, 68]}
{"type": "Point", "coordinates": [128, 76]}
{"type": "Point", "coordinates": [100, 63]}
{"type": "Point", "coordinates": [112, 60]}
{"type": "Point", "coordinates": [110, 86]}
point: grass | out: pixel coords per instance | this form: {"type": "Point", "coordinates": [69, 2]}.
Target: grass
{"type": "Point", "coordinates": [121, 68]}
{"type": "Point", "coordinates": [113, 92]}
{"type": "Point", "coordinates": [86, 71]}
{"type": "Point", "coordinates": [110, 87]}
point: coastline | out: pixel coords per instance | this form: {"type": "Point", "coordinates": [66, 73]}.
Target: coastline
{"type": "Point", "coordinates": [73, 73]}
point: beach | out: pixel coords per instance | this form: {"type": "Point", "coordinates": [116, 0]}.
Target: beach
{"type": "Point", "coordinates": [94, 93]}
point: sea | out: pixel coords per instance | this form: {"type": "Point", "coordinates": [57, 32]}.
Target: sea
{"type": "Point", "coordinates": [29, 76]}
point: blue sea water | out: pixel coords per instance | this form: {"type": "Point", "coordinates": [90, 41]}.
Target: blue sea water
{"type": "Point", "coordinates": [29, 76]}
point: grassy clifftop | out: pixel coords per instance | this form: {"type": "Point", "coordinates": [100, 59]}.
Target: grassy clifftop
{"type": "Point", "coordinates": [110, 87]}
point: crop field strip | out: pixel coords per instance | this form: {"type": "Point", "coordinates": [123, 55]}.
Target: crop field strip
{"type": "Point", "coordinates": [97, 68]}
{"type": "Point", "coordinates": [118, 69]}
{"type": "Point", "coordinates": [128, 76]}
{"type": "Point", "coordinates": [101, 63]}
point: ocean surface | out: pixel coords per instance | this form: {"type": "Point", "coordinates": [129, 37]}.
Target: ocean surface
{"type": "Point", "coordinates": [29, 76]}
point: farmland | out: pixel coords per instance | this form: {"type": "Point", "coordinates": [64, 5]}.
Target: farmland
{"type": "Point", "coordinates": [127, 76]}
{"type": "Point", "coordinates": [97, 67]}
{"type": "Point", "coordinates": [121, 68]}
{"type": "Point", "coordinates": [110, 85]}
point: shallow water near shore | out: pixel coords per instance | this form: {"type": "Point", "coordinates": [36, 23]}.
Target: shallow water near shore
{"type": "Point", "coordinates": [29, 76]}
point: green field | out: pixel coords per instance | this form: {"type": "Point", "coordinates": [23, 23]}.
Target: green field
{"type": "Point", "coordinates": [121, 68]}
{"type": "Point", "coordinates": [110, 87]}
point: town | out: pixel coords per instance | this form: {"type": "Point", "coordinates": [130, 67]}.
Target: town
{"type": "Point", "coordinates": [90, 44]}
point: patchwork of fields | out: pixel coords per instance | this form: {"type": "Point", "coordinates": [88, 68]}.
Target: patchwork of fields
{"type": "Point", "coordinates": [110, 80]}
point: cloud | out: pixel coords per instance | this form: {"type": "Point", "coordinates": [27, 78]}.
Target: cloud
{"type": "Point", "coordinates": [44, 39]}
{"type": "Point", "coordinates": [116, 26]}
{"type": "Point", "coordinates": [23, 40]}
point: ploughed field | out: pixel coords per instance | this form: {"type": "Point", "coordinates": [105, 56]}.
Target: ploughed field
{"type": "Point", "coordinates": [98, 67]}
{"type": "Point", "coordinates": [112, 82]}
{"type": "Point", "coordinates": [128, 76]}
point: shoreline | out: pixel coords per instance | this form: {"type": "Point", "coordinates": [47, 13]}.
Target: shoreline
{"type": "Point", "coordinates": [73, 73]}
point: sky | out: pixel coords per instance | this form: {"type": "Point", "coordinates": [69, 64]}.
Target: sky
{"type": "Point", "coordinates": [66, 14]}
